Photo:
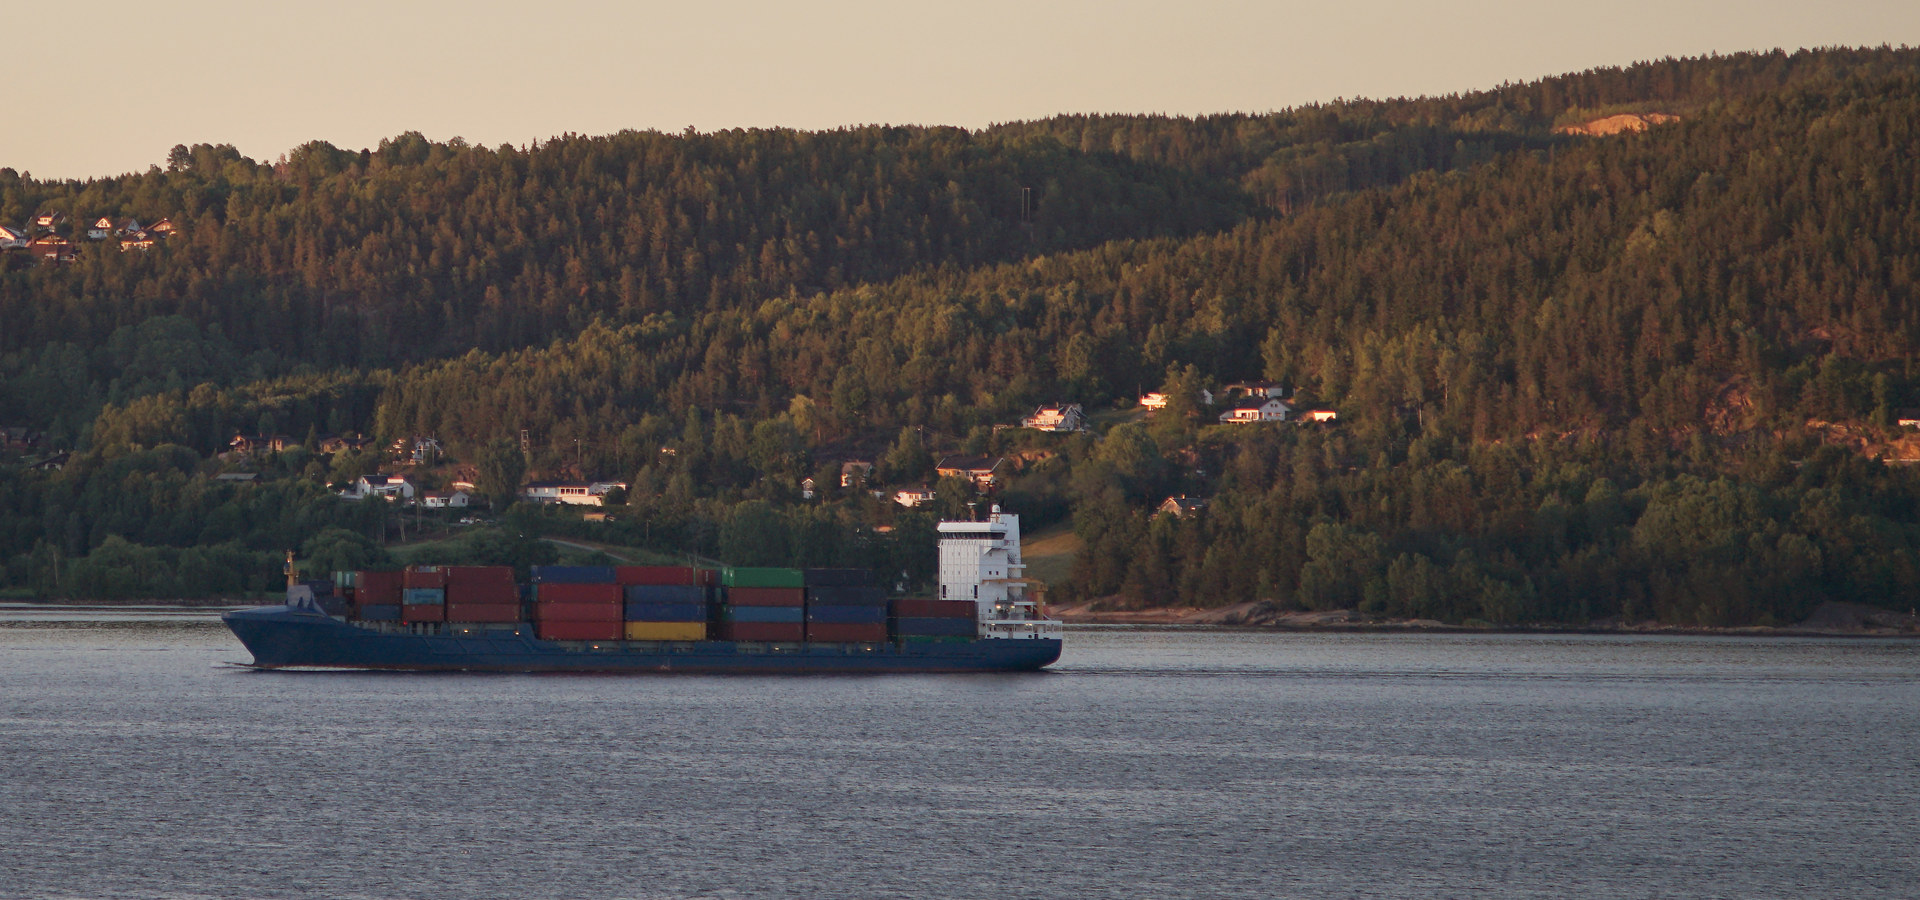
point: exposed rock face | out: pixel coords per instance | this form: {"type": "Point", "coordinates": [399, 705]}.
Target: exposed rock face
{"type": "Point", "coordinates": [1618, 124]}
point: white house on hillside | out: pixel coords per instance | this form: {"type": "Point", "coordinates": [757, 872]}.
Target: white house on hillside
{"type": "Point", "coordinates": [446, 499]}
{"type": "Point", "coordinates": [1256, 409]}
{"type": "Point", "coordinates": [571, 493]}
{"type": "Point", "coordinates": [1157, 400]}
{"type": "Point", "coordinates": [388, 487]}
{"type": "Point", "coordinates": [1058, 417]}
{"type": "Point", "coordinates": [912, 497]}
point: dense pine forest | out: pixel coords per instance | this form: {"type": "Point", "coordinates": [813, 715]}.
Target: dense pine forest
{"type": "Point", "coordinates": [1650, 375]}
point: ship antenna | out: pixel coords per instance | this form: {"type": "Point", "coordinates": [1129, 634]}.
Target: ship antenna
{"type": "Point", "coordinates": [973, 513]}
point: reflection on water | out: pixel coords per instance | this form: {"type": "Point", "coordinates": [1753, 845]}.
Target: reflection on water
{"type": "Point", "coordinates": [1148, 762]}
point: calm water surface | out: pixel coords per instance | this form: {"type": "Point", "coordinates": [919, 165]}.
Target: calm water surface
{"type": "Point", "coordinates": [1149, 763]}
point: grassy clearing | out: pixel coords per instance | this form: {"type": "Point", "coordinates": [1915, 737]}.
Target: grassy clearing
{"type": "Point", "coordinates": [1049, 553]}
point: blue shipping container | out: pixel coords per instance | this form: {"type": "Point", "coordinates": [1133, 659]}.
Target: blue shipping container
{"type": "Point", "coordinates": [424, 596]}
{"type": "Point", "coordinates": [927, 627]}
{"type": "Point", "coordinates": [665, 593]}
{"type": "Point", "coordinates": [574, 574]}
{"type": "Point", "coordinates": [847, 615]}
{"type": "Point", "coordinates": [380, 613]}
{"type": "Point", "coordinates": [847, 596]}
{"type": "Point", "coordinates": [782, 614]}
{"type": "Point", "coordinates": [666, 612]}
{"type": "Point", "coordinates": [321, 587]}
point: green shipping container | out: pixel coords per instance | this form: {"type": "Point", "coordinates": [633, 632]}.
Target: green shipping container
{"type": "Point", "coordinates": [737, 576]}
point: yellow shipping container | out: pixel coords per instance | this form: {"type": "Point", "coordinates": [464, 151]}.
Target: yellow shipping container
{"type": "Point", "coordinates": [666, 631]}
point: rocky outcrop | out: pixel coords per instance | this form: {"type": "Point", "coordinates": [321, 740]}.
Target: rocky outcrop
{"type": "Point", "coordinates": [1620, 124]}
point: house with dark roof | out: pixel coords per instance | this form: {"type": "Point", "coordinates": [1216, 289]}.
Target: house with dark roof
{"type": "Point", "coordinates": [981, 470]}
{"type": "Point", "coordinates": [388, 487]}
{"type": "Point", "coordinates": [1057, 417]}
{"type": "Point", "coordinates": [1180, 507]}
{"type": "Point", "coordinates": [259, 443]}
{"type": "Point", "coordinates": [1254, 389]}
{"type": "Point", "coordinates": [51, 248]}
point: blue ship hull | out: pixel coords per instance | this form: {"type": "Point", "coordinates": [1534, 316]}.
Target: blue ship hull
{"type": "Point", "coordinates": [284, 637]}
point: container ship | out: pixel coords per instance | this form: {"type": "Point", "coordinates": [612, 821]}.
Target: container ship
{"type": "Point", "coordinates": [666, 618]}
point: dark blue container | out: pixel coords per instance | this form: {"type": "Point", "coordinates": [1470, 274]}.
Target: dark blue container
{"type": "Point", "coordinates": [928, 627]}
{"type": "Point", "coordinates": [847, 596]}
{"type": "Point", "coordinates": [666, 612]}
{"type": "Point", "coordinates": [847, 615]}
{"type": "Point", "coordinates": [380, 613]}
{"type": "Point", "coordinates": [573, 574]}
{"type": "Point", "coordinates": [780, 614]}
{"type": "Point", "coordinates": [333, 606]}
{"type": "Point", "coordinates": [321, 587]}
{"type": "Point", "coordinates": [665, 593]}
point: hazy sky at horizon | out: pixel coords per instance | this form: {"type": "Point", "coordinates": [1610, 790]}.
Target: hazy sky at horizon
{"type": "Point", "coordinates": [109, 85]}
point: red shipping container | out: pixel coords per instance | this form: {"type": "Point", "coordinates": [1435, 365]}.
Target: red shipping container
{"type": "Point", "coordinates": [483, 612]}
{"type": "Point", "coordinates": [483, 592]}
{"type": "Point", "coordinates": [423, 612]}
{"type": "Point", "coordinates": [762, 631]}
{"type": "Point", "coordinates": [744, 596]}
{"type": "Point", "coordinates": [424, 577]}
{"type": "Point", "coordinates": [625, 575]}
{"type": "Point", "coordinates": [579, 612]}
{"type": "Point", "coordinates": [378, 589]}
{"type": "Point", "coordinates": [831, 633]}
{"type": "Point", "coordinates": [459, 576]}
{"type": "Point", "coordinates": [936, 609]}
{"type": "Point", "coordinates": [710, 577]}
{"type": "Point", "coordinates": [580, 631]}
{"type": "Point", "coordinates": [579, 593]}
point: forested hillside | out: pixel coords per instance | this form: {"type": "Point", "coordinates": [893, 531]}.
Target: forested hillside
{"type": "Point", "coordinates": [1635, 376]}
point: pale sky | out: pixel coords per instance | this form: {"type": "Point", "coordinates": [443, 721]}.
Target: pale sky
{"type": "Point", "coordinates": [101, 87]}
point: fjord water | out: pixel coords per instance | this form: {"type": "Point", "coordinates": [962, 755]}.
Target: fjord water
{"type": "Point", "coordinates": [1148, 763]}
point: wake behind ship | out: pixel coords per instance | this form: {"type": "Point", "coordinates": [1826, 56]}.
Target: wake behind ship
{"type": "Point", "coordinates": [667, 619]}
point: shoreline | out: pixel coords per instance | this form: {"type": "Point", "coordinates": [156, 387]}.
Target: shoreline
{"type": "Point", "coordinates": [1831, 619]}
{"type": "Point", "coordinates": [193, 602]}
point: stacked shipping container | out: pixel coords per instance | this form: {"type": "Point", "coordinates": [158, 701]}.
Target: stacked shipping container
{"type": "Point", "coordinates": [664, 603]}
{"type": "Point", "coordinates": [577, 603]}
{"type": "Point", "coordinates": [926, 620]}
{"type": "Point", "coordinates": [763, 604]}
{"type": "Point", "coordinates": [482, 594]}
{"type": "Point", "coordinates": [376, 596]}
{"type": "Point", "coordinates": [660, 603]}
{"type": "Point", "coordinates": [844, 606]}
{"type": "Point", "coordinates": [423, 597]}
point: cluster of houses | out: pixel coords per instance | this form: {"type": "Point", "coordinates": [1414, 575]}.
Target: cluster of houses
{"type": "Point", "coordinates": [1249, 402]}
{"type": "Point", "coordinates": [460, 494]}
{"type": "Point", "coordinates": [1245, 403]}
{"type": "Point", "coordinates": [45, 238]}
{"type": "Point", "coordinates": [30, 448]}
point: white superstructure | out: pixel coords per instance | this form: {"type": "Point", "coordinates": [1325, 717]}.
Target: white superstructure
{"type": "Point", "coordinates": [980, 561]}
